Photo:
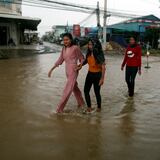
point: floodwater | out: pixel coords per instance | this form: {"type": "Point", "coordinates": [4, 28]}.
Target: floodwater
{"type": "Point", "coordinates": [126, 129]}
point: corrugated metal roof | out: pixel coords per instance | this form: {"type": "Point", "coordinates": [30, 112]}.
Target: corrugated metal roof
{"type": "Point", "coordinates": [137, 24]}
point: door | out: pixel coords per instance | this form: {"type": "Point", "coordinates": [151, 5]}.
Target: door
{"type": "Point", "coordinates": [3, 35]}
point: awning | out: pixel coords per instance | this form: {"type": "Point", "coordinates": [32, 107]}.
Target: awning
{"type": "Point", "coordinates": [153, 27]}
{"type": "Point", "coordinates": [25, 22]}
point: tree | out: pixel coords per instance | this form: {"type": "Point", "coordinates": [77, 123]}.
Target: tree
{"type": "Point", "coordinates": [152, 36]}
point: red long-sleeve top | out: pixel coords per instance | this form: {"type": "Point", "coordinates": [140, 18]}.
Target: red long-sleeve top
{"type": "Point", "coordinates": [133, 56]}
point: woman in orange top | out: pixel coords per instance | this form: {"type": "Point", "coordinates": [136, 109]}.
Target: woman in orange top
{"type": "Point", "coordinates": [96, 72]}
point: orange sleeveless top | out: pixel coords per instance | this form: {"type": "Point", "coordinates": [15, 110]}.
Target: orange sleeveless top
{"type": "Point", "coordinates": [93, 66]}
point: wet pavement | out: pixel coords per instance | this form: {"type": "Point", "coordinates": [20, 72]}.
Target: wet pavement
{"type": "Point", "coordinates": [126, 129]}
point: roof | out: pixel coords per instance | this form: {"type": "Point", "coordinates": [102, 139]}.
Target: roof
{"type": "Point", "coordinates": [27, 22]}
{"type": "Point", "coordinates": [14, 16]}
{"type": "Point", "coordinates": [61, 26]}
{"type": "Point", "coordinates": [145, 19]}
{"type": "Point", "coordinates": [137, 24]}
{"type": "Point", "coordinates": [149, 17]}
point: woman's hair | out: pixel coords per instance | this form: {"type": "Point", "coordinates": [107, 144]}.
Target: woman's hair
{"type": "Point", "coordinates": [135, 44]}
{"type": "Point", "coordinates": [134, 37]}
{"type": "Point", "coordinates": [69, 35]}
{"type": "Point", "coordinates": [97, 51]}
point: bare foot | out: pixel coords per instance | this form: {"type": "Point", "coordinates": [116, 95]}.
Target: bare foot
{"type": "Point", "coordinates": [81, 106]}
{"type": "Point", "coordinates": [98, 109]}
{"type": "Point", "coordinates": [89, 109]}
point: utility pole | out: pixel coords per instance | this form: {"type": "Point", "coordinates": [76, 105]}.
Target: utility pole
{"type": "Point", "coordinates": [104, 23]}
{"type": "Point", "coordinates": [98, 22]}
{"type": "Point", "coordinates": [98, 15]}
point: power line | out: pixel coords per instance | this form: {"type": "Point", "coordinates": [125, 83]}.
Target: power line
{"type": "Point", "coordinates": [151, 2]}
{"type": "Point", "coordinates": [91, 8]}
{"type": "Point", "coordinates": [69, 4]}
{"type": "Point", "coordinates": [88, 17]}
{"type": "Point", "coordinates": [31, 4]}
{"type": "Point", "coordinates": [51, 6]}
{"type": "Point", "coordinates": [68, 7]}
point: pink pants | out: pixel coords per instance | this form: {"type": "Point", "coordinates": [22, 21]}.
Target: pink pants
{"type": "Point", "coordinates": [71, 86]}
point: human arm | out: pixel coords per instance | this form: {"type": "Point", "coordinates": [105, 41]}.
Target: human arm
{"type": "Point", "coordinates": [124, 60]}
{"type": "Point", "coordinates": [50, 71]}
{"type": "Point", "coordinates": [57, 63]}
{"type": "Point", "coordinates": [80, 58]}
{"type": "Point", "coordinates": [80, 55]}
{"type": "Point", "coordinates": [103, 74]}
{"type": "Point", "coordinates": [102, 62]}
{"type": "Point", "coordinates": [139, 57]}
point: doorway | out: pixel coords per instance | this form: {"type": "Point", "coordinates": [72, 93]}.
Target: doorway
{"type": "Point", "coordinates": [3, 35]}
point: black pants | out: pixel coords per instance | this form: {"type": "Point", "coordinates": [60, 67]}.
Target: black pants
{"type": "Point", "coordinates": [93, 78]}
{"type": "Point", "coordinates": [131, 73]}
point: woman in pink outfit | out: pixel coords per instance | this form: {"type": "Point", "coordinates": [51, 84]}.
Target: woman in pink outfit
{"type": "Point", "coordinates": [71, 54]}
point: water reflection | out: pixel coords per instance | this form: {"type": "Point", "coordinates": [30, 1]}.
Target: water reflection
{"type": "Point", "coordinates": [126, 122]}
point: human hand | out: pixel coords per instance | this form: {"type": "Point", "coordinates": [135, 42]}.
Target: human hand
{"type": "Point", "coordinates": [139, 72]}
{"type": "Point", "coordinates": [50, 73]}
{"type": "Point", "coordinates": [101, 82]}
{"type": "Point", "coordinates": [122, 68]}
{"type": "Point", "coordinates": [79, 67]}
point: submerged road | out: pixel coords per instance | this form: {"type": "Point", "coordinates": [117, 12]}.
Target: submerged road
{"type": "Point", "coordinates": [126, 129]}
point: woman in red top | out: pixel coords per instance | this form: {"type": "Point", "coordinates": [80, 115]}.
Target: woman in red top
{"type": "Point", "coordinates": [132, 60]}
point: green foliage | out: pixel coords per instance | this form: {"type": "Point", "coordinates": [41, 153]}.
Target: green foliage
{"type": "Point", "coordinates": [152, 36]}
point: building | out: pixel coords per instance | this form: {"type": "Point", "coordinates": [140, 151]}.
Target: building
{"type": "Point", "coordinates": [137, 26]}
{"type": "Point", "coordinates": [6, 6]}
{"type": "Point", "coordinates": [58, 30]}
{"type": "Point", "coordinates": [13, 24]}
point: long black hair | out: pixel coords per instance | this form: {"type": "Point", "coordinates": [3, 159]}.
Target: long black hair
{"type": "Point", "coordinates": [97, 51]}
{"type": "Point", "coordinates": [69, 35]}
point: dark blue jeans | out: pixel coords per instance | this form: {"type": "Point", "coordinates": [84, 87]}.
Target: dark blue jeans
{"type": "Point", "coordinates": [131, 73]}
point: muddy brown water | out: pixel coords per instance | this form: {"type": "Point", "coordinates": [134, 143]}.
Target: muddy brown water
{"type": "Point", "coordinates": [126, 129]}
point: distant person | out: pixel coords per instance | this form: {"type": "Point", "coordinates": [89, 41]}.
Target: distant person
{"type": "Point", "coordinates": [71, 54]}
{"type": "Point", "coordinates": [76, 41]}
{"type": "Point", "coordinates": [148, 47]}
{"type": "Point", "coordinates": [132, 60]}
{"type": "Point", "coordinates": [11, 42]}
{"type": "Point", "coordinates": [96, 73]}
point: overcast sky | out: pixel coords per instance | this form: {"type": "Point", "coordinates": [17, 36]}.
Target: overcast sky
{"type": "Point", "coordinates": [52, 17]}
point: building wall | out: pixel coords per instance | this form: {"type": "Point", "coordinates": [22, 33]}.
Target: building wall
{"type": "Point", "coordinates": [12, 31]}
{"type": "Point", "coordinates": [8, 7]}
{"type": "Point", "coordinates": [6, 25]}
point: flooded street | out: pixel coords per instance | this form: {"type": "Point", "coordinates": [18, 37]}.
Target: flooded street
{"type": "Point", "coordinates": [126, 129]}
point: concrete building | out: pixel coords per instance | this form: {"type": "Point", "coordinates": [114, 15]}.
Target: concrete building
{"type": "Point", "coordinates": [13, 24]}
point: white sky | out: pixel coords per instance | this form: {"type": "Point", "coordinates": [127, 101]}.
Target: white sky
{"type": "Point", "coordinates": [52, 17]}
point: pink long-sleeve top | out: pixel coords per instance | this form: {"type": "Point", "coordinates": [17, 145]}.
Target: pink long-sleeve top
{"type": "Point", "coordinates": [71, 55]}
